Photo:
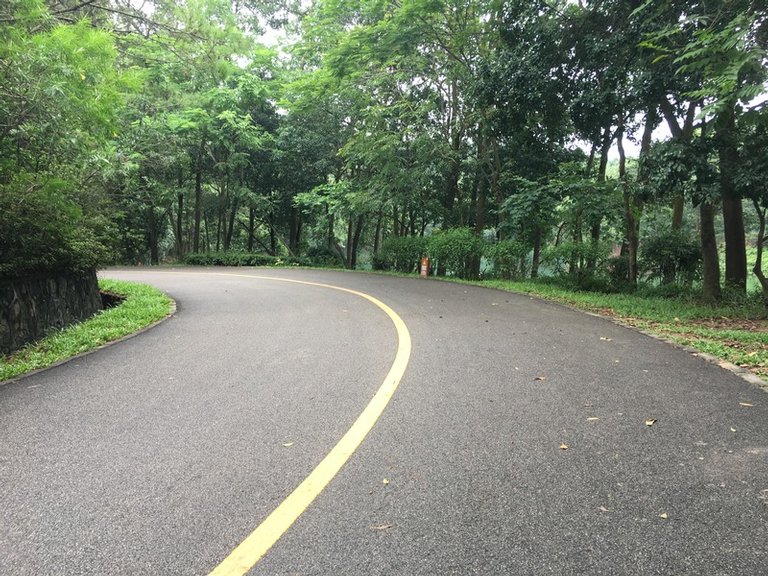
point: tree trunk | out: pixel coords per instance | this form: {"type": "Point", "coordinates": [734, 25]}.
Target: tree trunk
{"type": "Point", "coordinates": [758, 268]}
{"type": "Point", "coordinates": [684, 133]}
{"type": "Point", "coordinates": [251, 227]}
{"type": "Point", "coordinates": [356, 242]}
{"type": "Point", "coordinates": [272, 235]}
{"type": "Point", "coordinates": [198, 198]}
{"type": "Point", "coordinates": [179, 225]}
{"type": "Point", "coordinates": [153, 236]}
{"type": "Point", "coordinates": [377, 234]}
{"type": "Point", "coordinates": [678, 208]}
{"type": "Point", "coordinates": [348, 247]}
{"type": "Point", "coordinates": [536, 258]}
{"type": "Point", "coordinates": [331, 235]}
{"type": "Point", "coordinates": [454, 172]}
{"type": "Point", "coordinates": [635, 208]}
{"type": "Point", "coordinates": [710, 258]}
{"type": "Point", "coordinates": [733, 217]}
{"type": "Point", "coordinates": [595, 226]}
{"type": "Point", "coordinates": [219, 219]}
{"type": "Point", "coordinates": [231, 226]}
{"type": "Point", "coordinates": [295, 235]}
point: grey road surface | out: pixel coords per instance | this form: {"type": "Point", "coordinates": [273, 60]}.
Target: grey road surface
{"type": "Point", "coordinates": [517, 442]}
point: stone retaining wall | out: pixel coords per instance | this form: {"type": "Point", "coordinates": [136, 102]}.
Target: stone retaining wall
{"type": "Point", "coordinates": [29, 308]}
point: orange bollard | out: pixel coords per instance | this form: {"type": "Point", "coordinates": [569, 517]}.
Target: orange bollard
{"type": "Point", "coordinates": [424, 267]}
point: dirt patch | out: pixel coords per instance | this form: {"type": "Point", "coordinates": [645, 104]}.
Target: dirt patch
{"type": "Point", "coordinates": [731, 324]}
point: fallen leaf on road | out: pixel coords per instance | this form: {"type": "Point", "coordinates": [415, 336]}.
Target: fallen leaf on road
{"type": "Point", "coordinates": [603, 509]}
{"type": "Point", "coordinates": [604, 339]}
{"type": "Point", "coordinates": [733, 429]}
{"type": "Point", "coordinates": [385, 481]}
{"type": "Point", "coordinates": [563, 446]}
{"type": "Point", "coordinates": [664, 515]}
{"type": "Point", "coordinates": [382, 527]}
{"type": "Point", "coordinates": [650, 422]}
{"type": "Point", "coordinates": [747, 404]}
{"type": "Point", "coordinates": [287, 444]}
{"type": "Point", "coordinates": [593, 418]}
{"type": "Point", "coordinates": [540, 378]}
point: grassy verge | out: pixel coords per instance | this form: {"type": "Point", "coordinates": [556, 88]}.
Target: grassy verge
{"type": "Point", "coordinates": [735, 332]}
{"type": "Point", "coordinates": [143, 306]}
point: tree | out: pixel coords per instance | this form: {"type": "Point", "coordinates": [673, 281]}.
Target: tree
{"type": "Point", "coordinates": [724, 49]}
{"type": "Point", "coordinates": [59, 91]}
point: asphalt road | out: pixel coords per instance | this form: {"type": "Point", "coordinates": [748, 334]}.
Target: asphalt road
{"type": "Point", "coordinates": [159, 454]}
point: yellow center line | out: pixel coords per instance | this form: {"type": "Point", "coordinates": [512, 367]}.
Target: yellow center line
{"type": "Point", "coordinates": [258, 542]}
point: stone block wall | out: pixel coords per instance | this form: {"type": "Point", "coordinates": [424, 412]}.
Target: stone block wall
{"type": "Point", "coordinates": [30, 308]}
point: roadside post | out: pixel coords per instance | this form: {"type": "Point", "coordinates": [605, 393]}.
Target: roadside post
{"type": "Point", "coordinates": [424, 268]}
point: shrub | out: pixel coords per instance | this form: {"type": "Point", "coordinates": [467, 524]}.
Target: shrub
{"type": "Point", "coordinates": [42, 230]}
{"type": "Point", "coordinates": [401, 254]}
{"type": "Point", "coordinates": [570, 258]}
{"type": "Point", "coordinates": [323, 256]}
{"type": "Point", "coordinates": [671, 255]}
{"type": "Point", "coordinates": [457, 250]}
{"type": "Point", "coordinates": [508, 259]}
{"type": "Point", "coordinates": [236, 258]}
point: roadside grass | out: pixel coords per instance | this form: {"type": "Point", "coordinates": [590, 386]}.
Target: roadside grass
{"type": "Point", "coordinates": [736, 332]}
{"type": "Point", "coordinates": [143, 306]}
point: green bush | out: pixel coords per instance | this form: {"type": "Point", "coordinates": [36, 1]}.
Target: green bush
{"type": "Point", "coordinates": [401, 254]}
{"type": "Point", "coordinates": [671, 255]}
{"type": "Point", "coordinates": [457, 250]}
{"type": "Point", "coordinates": [571, 257]}
{"type": "Point", "coordinates": [323, 256]}
{"type": "Point", "coordinates": [508, 259]}
{"type": "Point", "coordinates": [42, 230]}
{"type": "Point", "coordinates": [236, 258]}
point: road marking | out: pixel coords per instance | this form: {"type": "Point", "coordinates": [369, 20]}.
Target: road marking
{"type": "Point", "coordinates": [257, 543]}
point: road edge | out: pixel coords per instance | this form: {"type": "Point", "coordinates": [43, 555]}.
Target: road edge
{"type": "Point", "coordinates": [171, 312]}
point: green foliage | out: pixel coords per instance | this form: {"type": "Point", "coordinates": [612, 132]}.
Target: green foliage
{"type": "Point", "coordinates": [457, 250]}
{"type": "Point", "coordinates": [235, 258]}
{"type": "Point", "coordinates": [531, 209]}
{"type": "Point", "coordinates": [673, 254]}
{"type": "Point", "coordinates": [60, 92]}
{"type": "Point", "coordinates": [42, 229]}
{"type": "Point", "coordinates": [568, 258]}
{"type": "Point", "coordinates": [508, 259]}
{"type": "Point", "coordinates": [401, 254]}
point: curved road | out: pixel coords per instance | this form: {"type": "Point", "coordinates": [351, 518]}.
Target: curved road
{"type": "Point", "coordinates": [517, 442]}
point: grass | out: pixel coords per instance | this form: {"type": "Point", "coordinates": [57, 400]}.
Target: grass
{"type": "Point", "coordinates": [736, 332]}
{"type": "Point", "coordinates": [143, 306]}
